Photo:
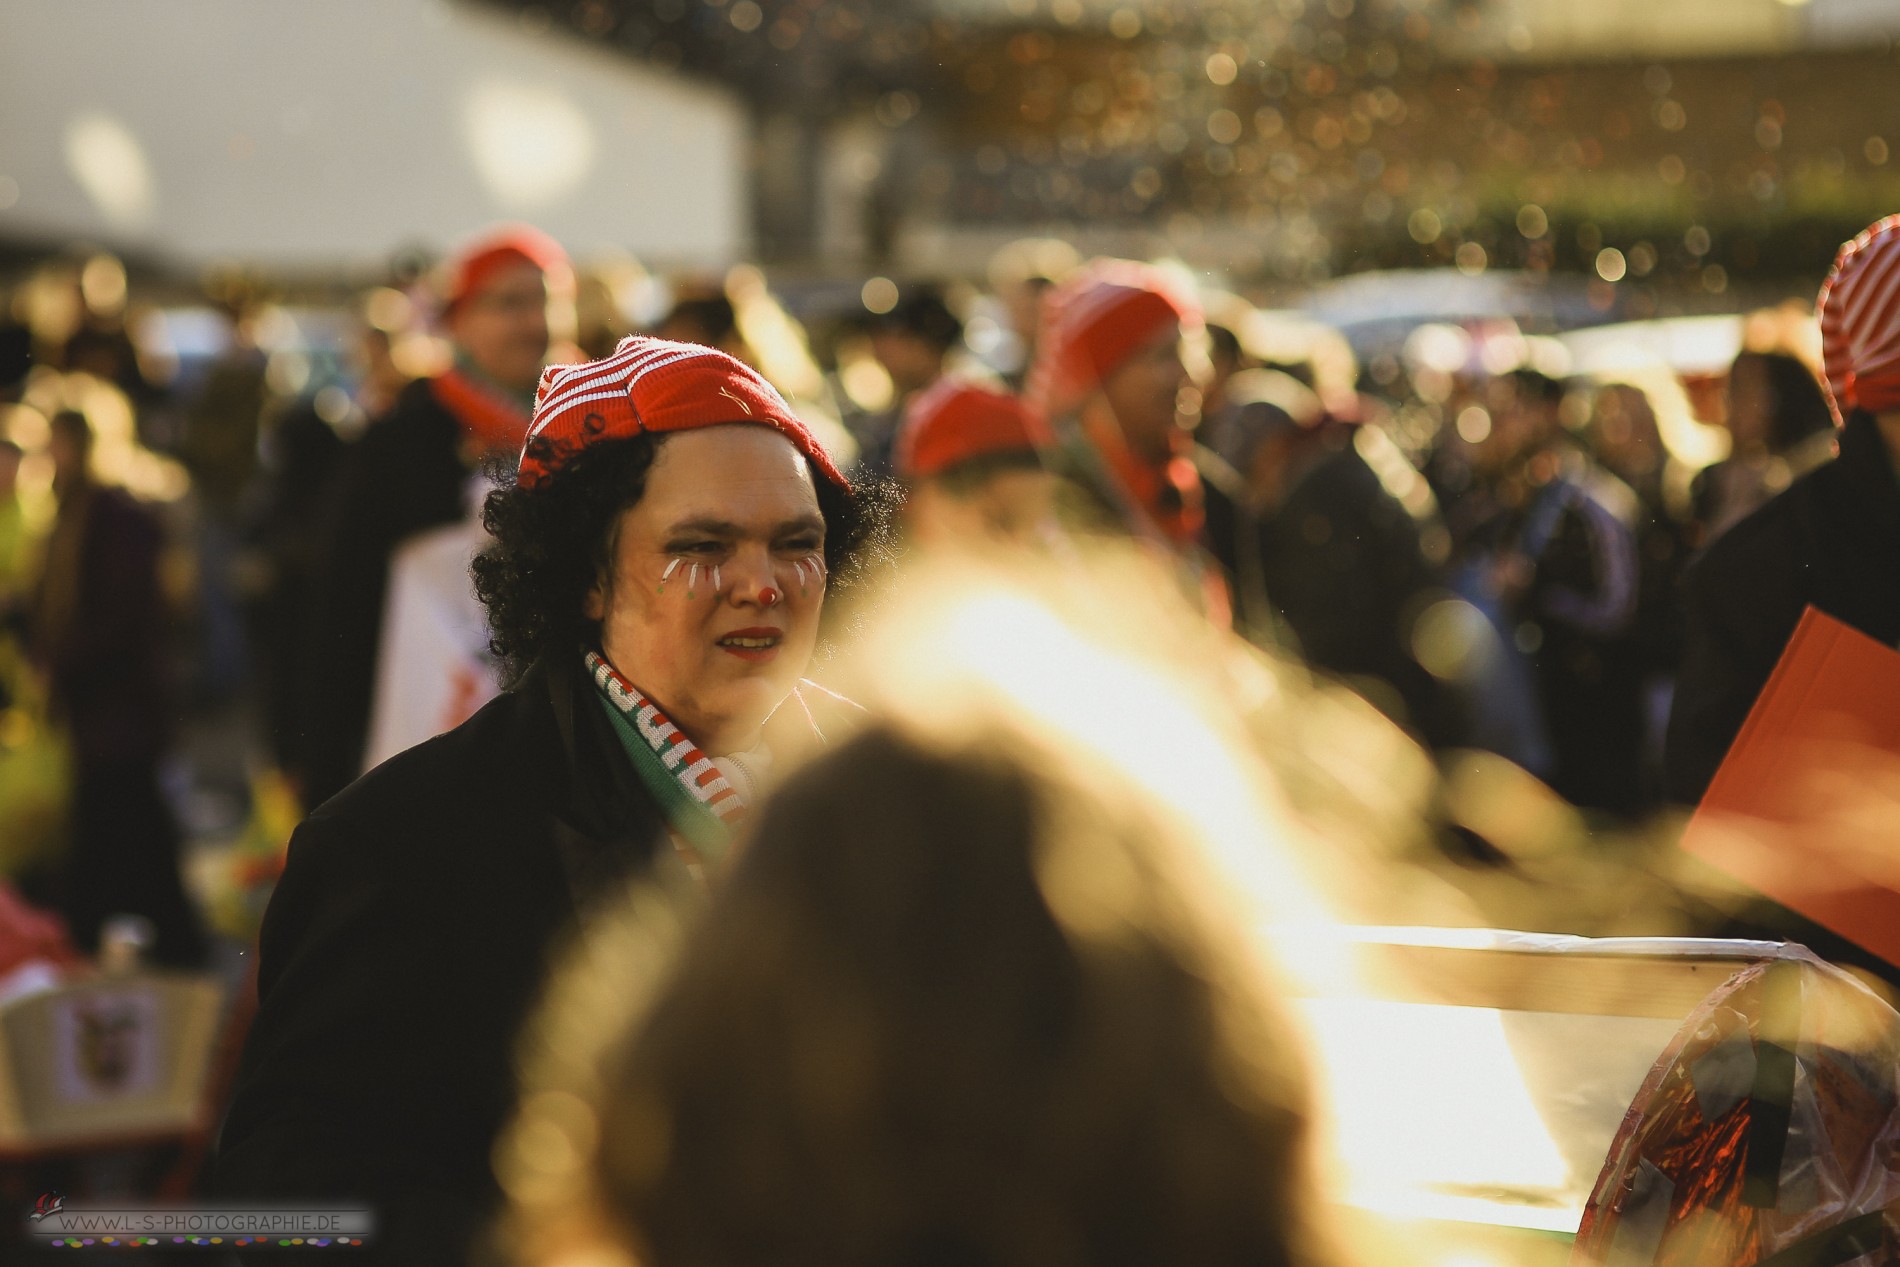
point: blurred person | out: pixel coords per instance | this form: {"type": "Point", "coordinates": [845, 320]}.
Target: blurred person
{"type": "Point", "coordinates": [1624, 436]}
{"type": "Point", "coordinates": [1108, 386]}
{"type": "Point", "coordinates": [1021, 275]}
{"type": "Point", "coordinates": [14, 538]}
{"type": "Point", "coordinates": [660, 568]}
{"type": "Point", "coordinates": [1831, 540]}
{"type": "Point", "coordinates": [1224, 360]}
{"type": "Point", "coordinates": [410, 472]}
{"type": "Point", "coordinates": [222, 424]}
{"type": "Point", "coordinates": [965, 1000]}
{"type": "Point", "coordinates": [1267, 416]}
{"type": "Point", "coordinates": [971, 465]}
{"type": "Point", "coordinates": [99, 633]}
{"type": "Point", "coordinates": [709, 320]}
{"type": "Point", "coordinates": [225, 415]}
{"type": "Point", "coordinates": [16, 347]}
{"type": "Point", "coordinates": [303, 449]}
{"type": "Point", "coordinates": [1341, 553]}
{"type": "Point", "coordinates": [599, 323]}
{"type": "Point", "coordinates": [100, 343]}
{"type": "Point", "coordinates": [1559, 561]}
{"type": "Point", "coordinates": [912, 342]}
{"type": "Point", "coordinates": [1780, 428]}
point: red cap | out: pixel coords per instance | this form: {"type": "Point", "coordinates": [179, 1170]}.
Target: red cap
{"type": "Point", "coordinates": [953, 422]}
{"type": "Point", "coordinates": [1090, 324]}
{"type": "Point", "coordinates": [653, 386]}
{"type": "Point", "coordinates": [504, 245]}
{"type": "Point", "coordinates": [1859, 310]}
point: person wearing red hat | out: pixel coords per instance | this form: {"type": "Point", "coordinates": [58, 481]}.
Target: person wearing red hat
{"type": "Point", "coordinates": [411, 472]}
{"type": "Point", "coordinates": [661, 564]}
{"type": "Point", "coordinates": [1108, 385]}
{"type": "Point", "coordinates": [970, 460]}
{"type": "Point", "coordinates": [1831, 539]}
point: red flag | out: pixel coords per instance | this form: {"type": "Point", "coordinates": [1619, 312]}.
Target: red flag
{"type": "Point", "coordinates": [1806, 806]}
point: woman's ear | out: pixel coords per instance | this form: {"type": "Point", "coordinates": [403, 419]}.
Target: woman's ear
{"type": "Point", "coordinates": [594, 602]}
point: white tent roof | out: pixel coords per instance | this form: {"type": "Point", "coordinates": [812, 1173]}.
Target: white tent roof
{"type": "Point", "coordinates": [331, 134]}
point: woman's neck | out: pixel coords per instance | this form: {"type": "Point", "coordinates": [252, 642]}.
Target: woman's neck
{"type": "Point", "coordinates": [725, 746]}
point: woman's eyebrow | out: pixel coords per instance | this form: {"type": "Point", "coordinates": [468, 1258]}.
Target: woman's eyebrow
{"type": "Point", "coordinates": [726, 528]}
{"type": "Point", "coordinates": [711, 527]}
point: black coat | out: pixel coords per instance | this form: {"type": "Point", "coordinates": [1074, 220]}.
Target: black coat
{"type": "Point", "coordinates": [1345, 568]}
{"type": "Point", "coordinates": [1230, 535]}
{"type": "Point", "coordinates": [106, 663]}
{"type": "Point", "coordinates": [407, 474]}
{"type": "Point", "coordinates": [403, 949]}
{"type": "Point", "coordinates": [1833, 540]}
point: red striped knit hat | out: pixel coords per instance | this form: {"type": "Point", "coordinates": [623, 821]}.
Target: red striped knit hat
{"type": "Point", "coordinates": [954, 422]}
{"type": "Point", "coordinates": [654, 386]}
{"type": "Point", "coordinates": [1859, 309]}
{"type": "Point", "coordinates": [1093, 321]}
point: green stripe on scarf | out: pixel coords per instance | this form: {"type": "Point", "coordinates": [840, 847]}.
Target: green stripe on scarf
{"type": "Point", "coordinates": [685, 813]}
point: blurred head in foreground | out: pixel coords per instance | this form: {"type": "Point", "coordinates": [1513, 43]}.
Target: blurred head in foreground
{"type": "Point", "coordinates": [967, 456]}
{"type": "Point", "coordinates": [963, 1002]}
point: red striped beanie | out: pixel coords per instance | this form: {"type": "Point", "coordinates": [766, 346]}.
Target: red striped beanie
{"type": "Point", "coordinates": [654, 386]}
{"type": "Point", "coordinates": [1859, 310]}
{"type": "Point", "coordinates": [1093, 321]}
{"type": "Point", "coordinates": [954, 422]}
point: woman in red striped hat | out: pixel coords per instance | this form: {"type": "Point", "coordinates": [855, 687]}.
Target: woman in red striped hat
{"type": "Point", "coordinates": [660, 569]}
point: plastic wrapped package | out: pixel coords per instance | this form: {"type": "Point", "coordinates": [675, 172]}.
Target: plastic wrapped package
{"type": "Point", "coordinates": [1768, 1132]}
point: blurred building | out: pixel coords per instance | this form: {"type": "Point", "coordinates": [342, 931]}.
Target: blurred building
{"type": "Point", "coordinates": [310, 138]}
{"type": "Point", "coordinates": [1291, 139]}
{"type": "Point", "coordinates": [1279, 141]}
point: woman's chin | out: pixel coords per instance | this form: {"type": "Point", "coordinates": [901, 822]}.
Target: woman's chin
{"type": "Point", "coordinates": [754, 697]}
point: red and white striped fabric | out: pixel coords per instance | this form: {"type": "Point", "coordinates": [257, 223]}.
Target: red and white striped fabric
{"type": "Point", "coordinates": [1859, 310]}
{"type": "Point", "coordinates": [680, 755]}
{"type": "Point", "coordinates": [1092, 321]}
{"type": "Point", "coordinates": [654, 385]}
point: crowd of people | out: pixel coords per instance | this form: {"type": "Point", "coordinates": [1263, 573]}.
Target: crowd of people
{"type": "Point", "coordinates": [533, 621]}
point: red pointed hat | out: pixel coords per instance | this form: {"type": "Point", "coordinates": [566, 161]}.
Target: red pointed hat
{"type": "Point", "coordinates": [1093, 321]}
{"type": "Point", "coordinates": [653, 386]}
{"type": "Point", "coordinates": [505, 244]}
{"type": "Point", "coordinates": [1859, 310]}
{"type": "Point", "coordinates": [954, 422]}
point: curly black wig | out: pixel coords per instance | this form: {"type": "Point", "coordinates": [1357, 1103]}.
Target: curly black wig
{"type": "Point", "coordinates": [552, 541]}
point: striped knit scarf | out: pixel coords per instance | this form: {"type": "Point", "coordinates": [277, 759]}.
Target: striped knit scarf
{"type": "Point", "coordinates": [701, 808]}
